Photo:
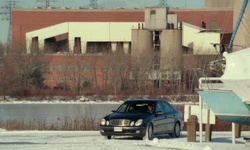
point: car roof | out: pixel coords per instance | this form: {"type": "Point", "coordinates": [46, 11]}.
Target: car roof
{"type": "Point", "coordinates": [145, 100]}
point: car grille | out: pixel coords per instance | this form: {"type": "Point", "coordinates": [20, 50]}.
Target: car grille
{"type": "Point", "coordinates": [119, 122]}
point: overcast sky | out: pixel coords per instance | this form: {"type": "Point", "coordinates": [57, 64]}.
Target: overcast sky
{"type": "Point", "coordinates": [4, 24]}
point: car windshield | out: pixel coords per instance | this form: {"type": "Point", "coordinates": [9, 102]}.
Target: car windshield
{"type": "Point", "coordinates": [136, 107]}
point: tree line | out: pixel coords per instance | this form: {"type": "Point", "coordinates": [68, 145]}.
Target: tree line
{"type": "Point", "coordinates": [113, 73]}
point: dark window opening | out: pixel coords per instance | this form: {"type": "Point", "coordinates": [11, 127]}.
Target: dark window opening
{"type": "Point", "coordinates": [62, 46]}
{"type": "Point", "coordinates": [77, 45]}
{"type": "Point", "coordinates": [50, 45]}
{"type": "Point", "coordinates": [98, 47]}
{"type": "Point", "coordinates": [129, 48]}
{"type": "Point", "coordinates": [34, 44]}
{"type": "Point", "coordinates": [156, 38]}
{"type": "Point", "coordinates": [203, 24]}
{"type": "Point", "coordinates": [55, 45]}
{"type": "Point", "coordinates": [152, 12]}
{"type": "Point", "coordinates": [119, 47]}
{"type": "Point", "coordinates": [156, 53]}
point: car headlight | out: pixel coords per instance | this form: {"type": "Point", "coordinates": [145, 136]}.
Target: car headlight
{"type": "Point", "coordinates": [103, 121]}
{"type": "Point", "coordinates": [132, 123]}
{"type": "Point", "coordinates": [107, 123]}
{"type": "Point", "coordinates": [138, 122]}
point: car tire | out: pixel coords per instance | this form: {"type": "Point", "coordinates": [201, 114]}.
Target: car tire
{"type": "Point", "coordinates": [177, 130]}
{"type": "Point", "coordinates": [107, 137]}
{"type": "Point", "coordinates": [149, 132]}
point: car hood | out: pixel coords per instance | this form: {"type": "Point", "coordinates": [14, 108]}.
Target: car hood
{"type": "Point", "coordinates": [131, 116]}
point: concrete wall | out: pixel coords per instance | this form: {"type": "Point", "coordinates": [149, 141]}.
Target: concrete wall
{"type": "Point", "coordinates": [87, 31]}
{"type": "Point", "coordinates": [203, 43]}
{"type": "Point", "coordinates": [156, 18]}
{"type": "Point", "coordinates": [200, 42]}
{"type": "Point", "coordinates": [220, 3]}
{"type": "Point", "coordinates": [188, 31]}
{"type": "Point", "coordinates": [173, 19]}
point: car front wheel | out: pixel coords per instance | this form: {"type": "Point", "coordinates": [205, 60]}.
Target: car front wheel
{"type": "Point", "coordinates": [177, 130]}
{"type": "Point", "coordinates": [149, 132]}
{"type": "Point", "coordinates": [107, 137]}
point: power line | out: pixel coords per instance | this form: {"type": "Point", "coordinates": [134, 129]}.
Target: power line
{"type": "Point", "coordinates": [7, 13]}
{"type": "Point", "coordinates": [47, 2]}
{"type": "Point", "coordinates": [93, 4]}
{"type": "Point", "coordinates": [163, 3]}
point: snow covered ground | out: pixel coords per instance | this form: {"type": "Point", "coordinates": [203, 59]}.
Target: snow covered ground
{"type": "Point", "coordinates": [92, 140]}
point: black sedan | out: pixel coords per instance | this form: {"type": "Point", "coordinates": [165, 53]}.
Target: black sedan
{"type": "Point", "coordinates": [142, 118]}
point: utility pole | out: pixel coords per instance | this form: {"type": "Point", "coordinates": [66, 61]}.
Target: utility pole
{"type": "Point", "coordinates": [93, 4]}
{"type": "Point", "coordinates": [47, 2]}
{"type": "Point", "coordinates": [163, 3]}
{"type": "Point", "coordinates": [7, 13]}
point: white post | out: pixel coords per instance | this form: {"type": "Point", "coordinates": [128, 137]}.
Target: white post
{"type": "Point", "coordinates": [113, 46]}
{"type": "Point", "coordinates": [126, 47]}
{"type": "Point", "coordinates": [41, 43]}
{"type": "Point", "coordinates": [84, 47]}
{"type": "Point", "coordinates": [200, 120]}
{"type": "Point", "coordinates": [28, 46]}
{"type": "Point", "coordinates": [233, 133]}
{"type": "Point", "coordinates": [71, 44]}
{"type": "Point", "coordinates": [200, 106]}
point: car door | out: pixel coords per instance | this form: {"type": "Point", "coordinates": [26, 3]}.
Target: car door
{"type": "Point", "coordinates": [160, 119]}
{"type": "Point", "coordinates": [169, 115]}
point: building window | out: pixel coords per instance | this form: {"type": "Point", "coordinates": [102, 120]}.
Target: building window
{"type": "Point", "coordinates": [77, 45]}
{"type": "Point", "coordinates": [35, 43]}
{"type": "Point", "coordinates": [98, 47]}
{"type": "Point", "coordinates": [203, 24]}
{"type": "Point", "coordinates": [152, 12]}
{"type": "Point", "coordinates": [212, 25]}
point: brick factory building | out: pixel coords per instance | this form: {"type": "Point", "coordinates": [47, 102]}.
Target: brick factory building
{"type": "Point", "coordinates": [64, 65]}
{"type": "Point", "coordinates": [26, 20]}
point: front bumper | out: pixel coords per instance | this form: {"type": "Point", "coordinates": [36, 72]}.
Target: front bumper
{"type": "Point", "coordinates": [123, 131]}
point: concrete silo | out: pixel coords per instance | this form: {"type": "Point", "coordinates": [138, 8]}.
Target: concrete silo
{"type": "Point", "coordinates": [171, 50]}
{"type": "Point", "coordinates": [159, 45]}
{"type": "Point", "coordinates": [141, 42]}
{"type": "Point", "coordinates": [242, 37]}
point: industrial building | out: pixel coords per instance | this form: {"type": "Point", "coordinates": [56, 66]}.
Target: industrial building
{"type": "Point", "coordinates": [170, 39]}
{"type": "Point", "coordinates": [28, 20]}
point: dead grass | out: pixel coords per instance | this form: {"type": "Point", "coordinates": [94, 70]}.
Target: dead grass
{"type": "Point", "coordinates": [69, 124]}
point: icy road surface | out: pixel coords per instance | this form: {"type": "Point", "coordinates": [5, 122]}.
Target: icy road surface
{"type": "Point", "coordinates": [92, 140]}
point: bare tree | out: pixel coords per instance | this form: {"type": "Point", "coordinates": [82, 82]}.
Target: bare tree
{"type": "Point", "coordinates": [196, 66]}
{"type": "Point", "coordinates": [118, 70]}
{"type": "Point", "coordinates": [8, 78]}
{"type": "Point", "coordinates": [22, 71]}
{"type": "Point", "coordinates": [2, 49]}
{"type": "Point", "coordinates": [141, 71]}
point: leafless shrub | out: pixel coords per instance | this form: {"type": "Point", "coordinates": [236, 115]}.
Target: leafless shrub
{"type": "Point", "coordinates": [68, 124]}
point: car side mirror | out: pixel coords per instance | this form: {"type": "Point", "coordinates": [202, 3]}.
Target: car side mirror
{"type": "Point", "coordinates": [113, 111]}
